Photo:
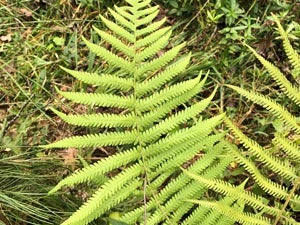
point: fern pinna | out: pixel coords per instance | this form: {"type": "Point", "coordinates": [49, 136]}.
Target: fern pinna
{"type": "Point", "coordinates": [282, 156]}
{"type": "Point", "coordinates": [159, 128]}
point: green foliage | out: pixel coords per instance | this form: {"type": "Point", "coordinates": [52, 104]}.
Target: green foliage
{"type": "Point", "coordinates": [158, 130]}
{"type": "Point", "coordinates": [23, 186]}
{"type": "Point", "coordinates": [179, 7]}
{"type": "Point", "coordinates": [281, 157]}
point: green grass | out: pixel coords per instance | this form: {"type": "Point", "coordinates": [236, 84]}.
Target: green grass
{"type": "Point", "coordinates": [35, 38]}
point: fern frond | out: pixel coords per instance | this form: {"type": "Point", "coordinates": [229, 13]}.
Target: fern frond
{"type": "Point", "coordinates": [291, 53]}
{"type": "Point", "coordinates": [105, 100]}
{"type": "Point", "coordinates": [166, 94]}
{"type": "Point", "coordinates": [105, 80]}
{"type": "Point", "coordinates": [269, 186]}
{"type": "Point", "coordinates": [149, 29]}
{"type": "Point", "coordinates": [290, 90]}
{"type": "Point", "coordinates": [159, 112]}
{"type": "Point", "coordinates": [99, 168]}
{"type": "Point", "coordinates": [143, 20]}
{"type": "Point", "coordinates": [142, 13]}
{"type": "Point", "coordinates": [118, 30]}
{"type": "Point", "coordinates": [159, 62]}
{"type": "Point", "coordinates": [230, 190]}
{"type": "Point", "coordinates": [124, 11]}
{"type": "Point", "coordinates": [95, 140]}
{"type": "Point", "coordinates": [98, 120]}
{"type": "Point", "coordinates": [172, 158]}
{"type": "Point", "coordinates": [271, 105]}
{"type": "Point", "coordinates": [115, 42]}
{"type": "Point", "coordinates": [179, 155]}
{"type": "Point", "coordinates": [288, 146]}
{"type": "Point", "coordinates": [286, 167]}
{"type": "Point", "coordinates": [138, 4]}
{"type": "Point", "coordinates": [164, 76]}
{"type": "Point", "coordinates": [244, 218]}
{"type": "Point", "coordinates": [206, 216]}
{"type": "Point", "coordinates": [191, 190]}
{"type": "Point", "coordinates": [153, 137]}
{"type": "Point", "coordinates": [96, 205]}
{"type": "Point", "coordinates": [109, 56]}
{"type": "Point", "coordinates": [173, 121]}
{"type": "Point", "coordinates": [180, 188]}
{"type": "Point", "coordinates": [184, 135]}
{"type": "Point", "coordinates": [152, 37]}
{"type": "Point", "coordinates": [152, 49]}
{"type": "Point", "coordinates": [121, 20]}
{"type": "Point", "coordinates": [181, 211]}
{"type": "Point", "coordinates": [270, 161]}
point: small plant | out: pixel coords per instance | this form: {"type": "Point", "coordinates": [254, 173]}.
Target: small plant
{"type": "Point", "coordinates": [158, 130]}
{"type": "Point", "coordinates": [179, 8]}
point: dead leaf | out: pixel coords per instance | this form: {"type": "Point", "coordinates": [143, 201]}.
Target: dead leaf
{"type": "Point", "coordinates": [3, 115]}
{"type": "Point", "coordinates": [27, 32]}
{"type": "Point", "coordinates": [26, 12]}
{"type": "Point", "coordinates": [5, 38]}
{"type": "Point", "coordinates": [10, 68]}
{"type": "Point", "coordinates": [69, 155]}
{"type": "Point", "coordinates": [58, 29]}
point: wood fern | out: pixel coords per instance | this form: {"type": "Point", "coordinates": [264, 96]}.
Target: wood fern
{"type": "Point", "coordinates": [158, 131]}
{"type": "Point", "coordinates": [282, 158]}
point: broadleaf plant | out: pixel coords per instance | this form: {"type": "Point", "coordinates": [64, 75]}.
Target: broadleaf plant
{"type": "Point", "coordinates": [159, 129]}
{"type": "Point", "coordinates": [281, 156]}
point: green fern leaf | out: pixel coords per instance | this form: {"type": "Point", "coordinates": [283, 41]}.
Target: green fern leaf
{"type": "Point", "coordinates": [159, 62]}
{"type": "Point", "coordinates": [109, 56]}
{"type": "Point", "coordinates": [124, 11]}
{"type": "Point", "coordinates": [269, 186]}
{"type": "Point", "coordinates": [229, 190]}
{"type": "Point", "coordinates": [97, 169]}
{"type": "Point", "coordinates": [289, 147]}
{"type": "Point", "coordinates": [206, 216]}
{"type": "Point", "coordinates": [152, 49]}
{"type": "Point", "coordinates": [166, 95]}
{"type": "Point", "coordinates": [270, 161]}
{"type": "Point", "coordinates": [94, 140]}
{"type": "Point", "coordinates": [285, 85]}
{"type": "Point", "coordinates": [105, 80]}
{"type": "Point", "coordinates": [136, 5]}
{"type": "Point", "coordinates": [150, 28]}
{"type": "Point", "coordinates": [118, 30]}
{"type": "Point", "coordinates": [159, 130]}
{"type": "Point", "coordinates": [175, 206]}
{"type": "Point", "coordinates": [100, 198]}
{"type": "Point", "coordinates": [159, 112]}
{"type": "Point", "coordinates": [245, 218]}
{"type": "Point", "coordinates": [116, 43]}
{"type": "Point", "coordinates": [119, 18]}
{"type": "Point", "coordinates": [164, 76]}
{"type": "Point", "coordinates": [171, 122]}
{"type": "Point", "coordinates": [98, 120]}
{"type": "Point", "coordinates": [291, 53]}
{"type": "Point", "coordinates": [271, 105]}
{"type": "Point", "coordinates": [147, 19]}
{"type": "Point", "coordinates": [182, 187]}
{"type": "Point", "coordinates": [105, 100]}
{"type": "Point", "coordinates": [149, 39]}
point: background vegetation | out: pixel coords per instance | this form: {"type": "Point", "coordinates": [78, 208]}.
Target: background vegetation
{"type": "Point", "coordinates": [38, 36]}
